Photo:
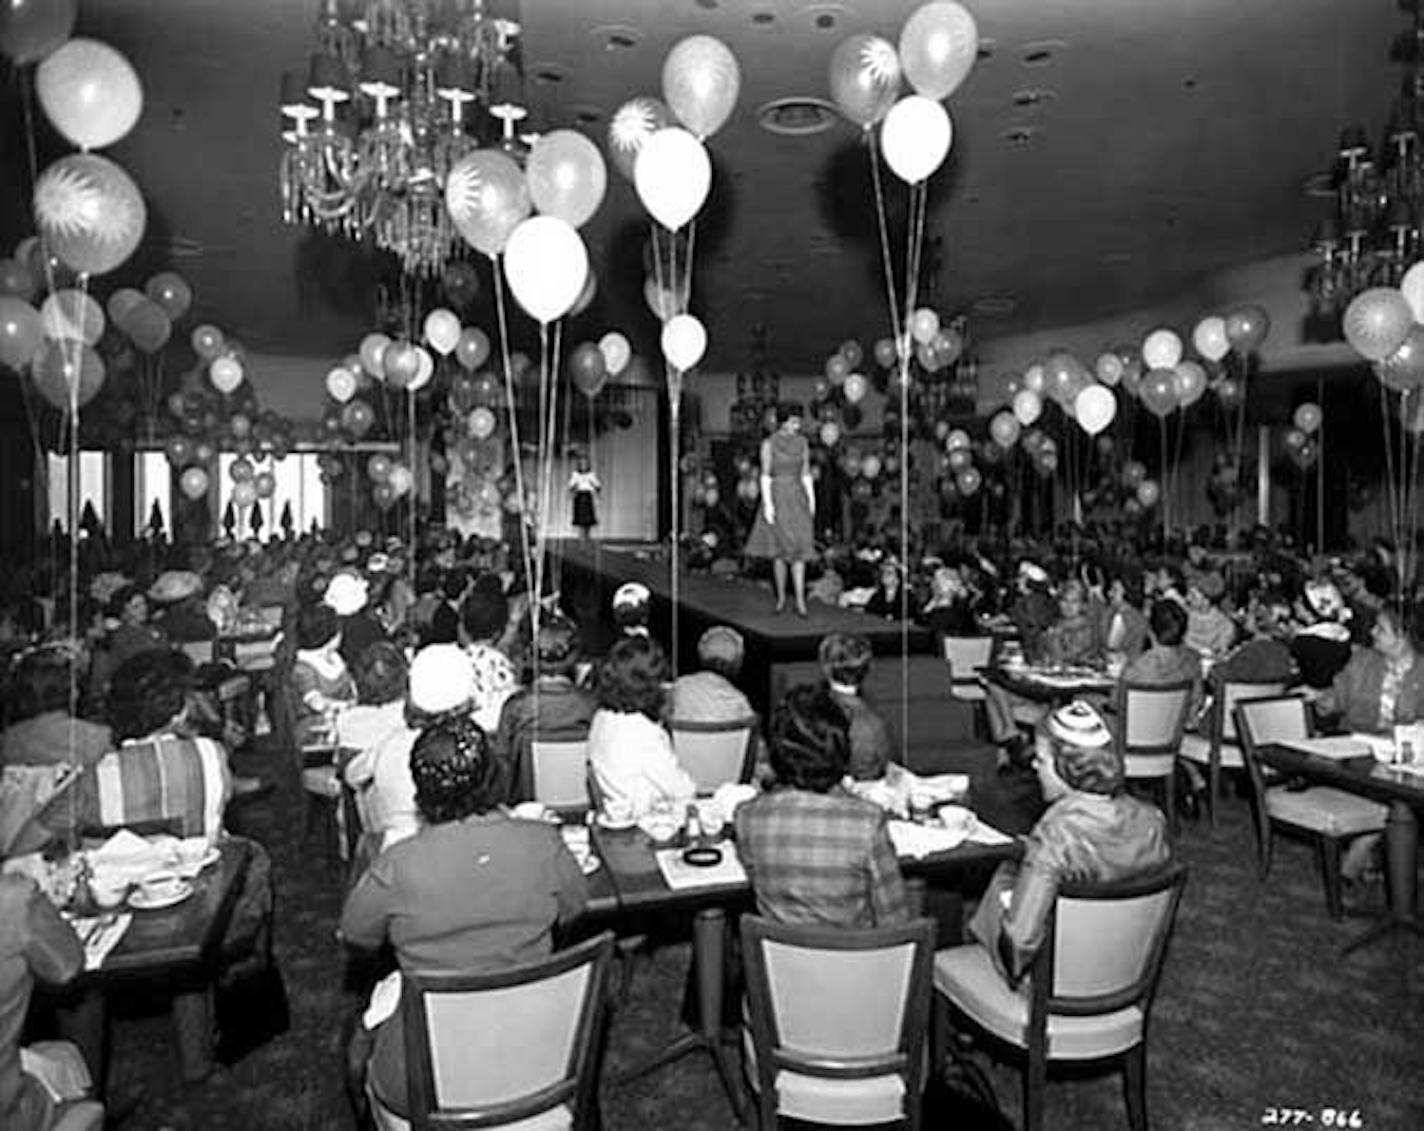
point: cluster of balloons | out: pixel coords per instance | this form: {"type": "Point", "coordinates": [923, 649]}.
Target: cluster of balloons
{"type": "Point", "coordinates": [1385, 325]}
{"type": "Point", "coordinates": [391, 480]}
{"type": "Point", "coordinates": [1302, 438]}
{"type": "Point", "coordinates": [591, 364]}
{"type": "Point", "coordinates": [937, 49]}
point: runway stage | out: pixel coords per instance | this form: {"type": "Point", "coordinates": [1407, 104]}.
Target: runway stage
{"type": "Point", "coordinates": [909, 681]}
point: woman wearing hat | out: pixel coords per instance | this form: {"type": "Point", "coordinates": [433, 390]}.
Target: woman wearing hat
{"type": "Point", "coordinates": [474, 891]}
{"type": "Point", "coordinates": [1092, 831]}
{"type": "Point", "coordinates": [1210, 632]}
{"type": "Point", "coordinates": [321, 682]}
{"type": "Point", "coordinates": [1321, 645]}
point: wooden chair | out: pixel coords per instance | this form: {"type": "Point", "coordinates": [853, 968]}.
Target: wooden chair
{"type": "Point", "coordinates": [1219, 748]}
{"type": "Point", "coordinates": [1151, 719]}
{"type": "Point", "coordinates": [558, 773]}
{"type": "Point", "coordinates": [967, 657]}
{"type": "Point", "coordinates": [515, 1048]}
{"type": "Point", "coordinates": [837, 1021]}
{"type": "Point", "coordinates": [716, 753]}
{"type": "Point", "coordinates": [1328, 817]}
{"type": "Point", "coordinates": [1089, 991]}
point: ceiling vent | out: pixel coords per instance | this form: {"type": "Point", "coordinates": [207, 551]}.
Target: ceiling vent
{"type": "Point", "coordinates": [1042, 52]}
{"type": "Point", "coordinates": [797, 117]}
{"type": "Point", "coordinates": [617, 37]}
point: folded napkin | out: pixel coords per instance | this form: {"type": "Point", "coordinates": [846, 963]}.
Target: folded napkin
{"type": "Point", "coordinates": [918, 841]}
{"type": "Point", "coordinates": [728, 796]}
{"type": "Point", "coordinates": [385, 997]}
{"type": "Point", "coordinates": [100, 935]}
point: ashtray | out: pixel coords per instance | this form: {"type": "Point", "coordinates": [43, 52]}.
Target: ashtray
{"type": "Point", "coordinates": [703, 856]}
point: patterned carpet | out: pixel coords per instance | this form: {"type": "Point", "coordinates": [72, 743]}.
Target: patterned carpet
{"type": "Point", "coordinates": [1257, 1011]}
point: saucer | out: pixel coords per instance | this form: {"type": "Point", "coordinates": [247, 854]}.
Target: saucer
{"type": "Point", "coordinates": [140, 901]}
{"type": "Point", "coordinates": [607, 822]}
{"type": "Point", "coordinates": [190, 868]}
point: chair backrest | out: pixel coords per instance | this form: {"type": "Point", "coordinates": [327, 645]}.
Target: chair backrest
{"type": "Point", "coordinates": [838, 1003]}
{"type": "Point", "coordinates": [489, 1049]}
{"type": "Point", "coordinates": [1105, 945]}
{"type": "Point", "coordinates": [1261, 722]}
{"type": "Point", "coordinates": [967, 655]}
{"type": "Point", "coordinates": [715, 753]}
{"type": "Point", "coordinates": [559, 772]}
{"type": "Point", "coordinates": [1232, 693]}
{"type": "Point", "coordinates": [1153, 717]}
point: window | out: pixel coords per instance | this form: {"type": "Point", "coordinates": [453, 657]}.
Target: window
{"type": "Point", "coordinates": [153, 486]}
{"type": "Point", "coordinates": [298, 484]}
{"type": "Point", "coordinates": [93, 487]}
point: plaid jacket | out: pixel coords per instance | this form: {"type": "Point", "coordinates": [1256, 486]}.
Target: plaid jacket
{"type": "Point", "coordinates": [821, 858]}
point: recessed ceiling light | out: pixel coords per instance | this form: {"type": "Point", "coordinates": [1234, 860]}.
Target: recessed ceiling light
{"type": "Point", "coordinates": [1042, 52]}
{"type": "Point", "coordinates": [797, 117]}
{"type": "Point", "coordinates": [1033, 97]}
{"type": "Point", "coordinates": [617, 37]}
{"type": "Point", "coordinates": [824, 17]}
{"type": "Point", "coordinates": [588, 115]}
{"type": "Point", "coordinates": [987, 47]}
{"type": "Point", "coordinates": [710, 5]}
{"type": "Point", "coordinates": [762, 19]}
{"type": "Point", "coordinates": [1019, 137]}
{"type": "Point", "coordinates": [994, 306]}
{"type": "Point", "coordinates": [549, 74]}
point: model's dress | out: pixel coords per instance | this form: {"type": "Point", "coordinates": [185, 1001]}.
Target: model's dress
{"type": "Point", "coordinates": [792, 537]}
{"type": "Point", "coordinates": [584, 484]}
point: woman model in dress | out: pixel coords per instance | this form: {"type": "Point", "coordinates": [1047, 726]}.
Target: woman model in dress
{"type": "Point", "coordinates": [584, 484]}
{"type": "Point", "coordinates": [784, 529]}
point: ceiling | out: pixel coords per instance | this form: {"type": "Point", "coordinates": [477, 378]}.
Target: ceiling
{"type": "Point", "coordinates": [1107, 154]}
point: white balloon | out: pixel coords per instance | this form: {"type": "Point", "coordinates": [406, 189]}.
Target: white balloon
{"type": "Point", "coordinates": [684, 341]}
{"type": "Point", "coordinates": [855, 388]}
{"type": "Point", "coordinates": [341, 384]}
{"type": "Point", "coordinates": [616, 352]}
{"type": "Point", "coordinates": [916, 137]}
{"type": "Point", "coordinates": [1095, 408]}
{"type": "Point", "coordinates": [401, 480]}
{"type": "Point", "coordinates": [1028, 406]}
{"type": "Point", "coordinates": [956, 440]}
{"type": "Point", "coordinates": [424, 372]}
{"type": "Point", "coordinates": [1162, 349]}
{"type": "Point", "coordinates": [1210, 338]}
{"type": "Point", "coordinates": [673, 175]}
{"type": "Point", "coordinates": [546, 264]}
{"type": "Point", "coordinates": [1412, 287]}
{"type": "Point", "coordinates": [225, 373]}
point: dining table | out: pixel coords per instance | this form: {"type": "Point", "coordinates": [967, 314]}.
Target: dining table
{"type": "Point", "coordinates": [1050, 683]}
{"type": "Point", "coordinates": [647, 877]}
{"type": "Point", "coordinates": [174, 949]}
{"type": "Point", "coordinates": [1401, 789]}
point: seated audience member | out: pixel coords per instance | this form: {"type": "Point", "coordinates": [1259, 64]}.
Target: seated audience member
{"type": "Point", "coordinates": [1381, 685]}
{"type": "Point", "coordinates": [632, 606]}
{"type": "Point", "coordinates": [1032, 609]}
{"type": "Point", "coordinates": [1092, 831]}
{"type": "Point", "coordinates": [1074, 637]}
{"type": "Point", "coordinates": [474, 891]}
{"type": "Point", "coordinates": [1210, 632]}
{"type": "Point", "coordinates": [1124, 625]}
{"type": "Point", "coordinates": [553, 706]}
{"type": "Point", "coordinates": [483, 618]}
{"type": "Point", "coordinates": [710, 694]}
{"type": "Point", "coordinates": [629, 749]}
{"type": "Point", "coordinates": [160, 774]}
{"type": "Point", "coordinates": [348, 596]}
{"type": "Point", "coordinates": [890, 595]}
{"type": "Point", "coordinates": [813, 852]}
{"type": "Point", "coordinates": [1321, 645]}
{"type": "Point", "coordinates": [35, 943]}
{"type": "Point", "coordinates": [1167, 660]}
{"type": "Point", "coordinates": [45, 733]}
{"type": "Point", "coordinates": [182, 614]}
{"type": "Point", "coordinates": [376, 729]}
{"type": "Point", "coordinates": [1263, 656]}
{"type": "Point", "coordinates": [321, 683]}
{"type": "Point", "coordinates": [134, 633]}
{"type": "Point", "coordinates": [950, 609]}
{"type": "Point", "coordinates": [845, 663]}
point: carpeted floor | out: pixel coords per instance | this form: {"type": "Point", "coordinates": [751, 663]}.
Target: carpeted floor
{"type": "Point", "coordinates": [1257, 1012]}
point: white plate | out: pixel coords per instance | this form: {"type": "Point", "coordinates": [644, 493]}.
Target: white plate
{"type": "Point", "coordinates": [139, 901]}
{"type": "Point", "coordinates": [188, 869]}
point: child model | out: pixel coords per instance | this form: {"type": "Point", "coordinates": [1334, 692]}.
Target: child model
{"type": "Point", "coordinates": [583, 485]}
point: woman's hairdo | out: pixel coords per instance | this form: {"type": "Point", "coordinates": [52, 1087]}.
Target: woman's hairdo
{"type": "Point", "coordinates": [380, 674]}
{"type": "Point", "coordinates": [844, 658]}
{"type": "Point", "coordinates": [148, 691]}
{"type": "Point", "coordinates": [316, 624]}
{"type": "Point", "coordinates": [632, 676]}
{"type": "Point", "coordinates": [810, 740]}
{"type": "Point", "coordinates": [453, 772]}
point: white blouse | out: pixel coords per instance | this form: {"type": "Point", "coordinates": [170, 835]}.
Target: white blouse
{"type": "Point", "coordinates": [633, 761]}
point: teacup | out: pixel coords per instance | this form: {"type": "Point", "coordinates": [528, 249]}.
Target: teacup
{"type": "Point", "coordinates": [157, 888]}
{"type": "Point", "coordinates": [712, 819]}
{"type": "Point", "coordinates": [108, 892]}
{"type": "Point", "coordinates": [956, 819]}
{"type": "Point", "coordinates": [661, 825]}
{"type": "Point", "coordinates": [618, 811]}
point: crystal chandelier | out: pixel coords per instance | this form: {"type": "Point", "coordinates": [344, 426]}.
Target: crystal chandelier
{"type": "Point", "coordinates": [1372, 235]}
{"type": "Point", "coordinates": [396, 92]}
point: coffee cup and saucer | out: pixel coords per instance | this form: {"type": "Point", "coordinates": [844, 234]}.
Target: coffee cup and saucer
{"type": "Point", "coordinates": [160, 891]}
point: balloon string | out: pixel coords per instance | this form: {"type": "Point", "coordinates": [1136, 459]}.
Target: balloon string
{"type": "Point", "coordinates": [888, 268]}
{"type": "Point", "coordinates": [502, 313]}
{"type": "Point", "coordinates": [564, 448]}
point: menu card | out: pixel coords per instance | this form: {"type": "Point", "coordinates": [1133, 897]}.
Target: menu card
{"type": "Point", "coordinates": [680, 875]}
